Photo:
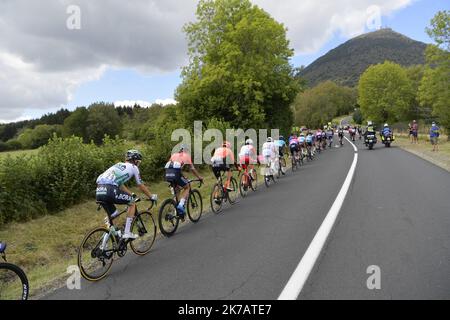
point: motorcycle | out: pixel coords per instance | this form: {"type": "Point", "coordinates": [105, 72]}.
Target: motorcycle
{"type": "Point", "coordinates": [387, 139]}
{"type": "Point", "coordinates": [371, 140]}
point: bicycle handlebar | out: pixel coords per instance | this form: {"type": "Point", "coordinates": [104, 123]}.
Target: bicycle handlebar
{"type": "Point", "coordinates": [197, 180]}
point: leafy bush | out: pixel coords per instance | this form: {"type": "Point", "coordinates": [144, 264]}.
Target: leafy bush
{"type": "Point", "coordinates": [63, 173]}
{"type": "Point", "coordinates": [14, 145]}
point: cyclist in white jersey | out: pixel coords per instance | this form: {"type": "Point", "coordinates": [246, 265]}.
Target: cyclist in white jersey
{"type": "Point", "coordinates": [270, 153]}
{"type": "Point", "coordinates": [111, 188]}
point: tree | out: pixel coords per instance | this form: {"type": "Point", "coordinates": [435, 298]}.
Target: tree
{"type": "Point", "coordinates": [317, 106]}
{"type": "Point", "coordinates": [239, 68]}
{"type": "Point", "coordinates": [385, 93]}
{"type": "Point", "coordinates": [76, 124]}
{"type": "Point", "coordinates": [102, 120]}
{"type": "Point", "coordinates": [39, 136]}
{"type": "Point", "coordinates": [433, 90]}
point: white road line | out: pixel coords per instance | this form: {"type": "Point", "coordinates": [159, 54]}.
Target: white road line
{"type": "Point", "coordinates": [353, 145]}
{"type": "Point", "coordinates": [295, 284]}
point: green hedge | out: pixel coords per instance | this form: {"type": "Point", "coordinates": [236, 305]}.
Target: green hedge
{"type": "Point", "coordinates": [63, 173]}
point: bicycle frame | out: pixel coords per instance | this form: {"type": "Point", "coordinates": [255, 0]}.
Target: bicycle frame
{"type": "Point", "coordinates": [113, 232]}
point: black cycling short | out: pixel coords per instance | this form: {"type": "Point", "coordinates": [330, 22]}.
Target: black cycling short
{"type": "Point", "coordinates": [219, 168]}
{"type": "Point", "coordinates": [281, 151]}
{"type": "Point", "coordinates": [109, 195]}
{"type": "Point", "coordinates": [176, 177]}
{"type": "Point", "coordinates": [294, 148]}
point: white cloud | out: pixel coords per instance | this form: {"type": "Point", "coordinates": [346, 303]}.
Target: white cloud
{"type": "Point", "coordinates": [42, 62]}
{"type": "Point", "coordinates": [144, 104]}
{"type": "Point", "coordinates": [165, 102]}
{"type": "Point", "coordinates": [312, 23]}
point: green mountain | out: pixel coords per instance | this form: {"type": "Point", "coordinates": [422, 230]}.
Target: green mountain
{"type": "Point", "coordinates": [346, 63]}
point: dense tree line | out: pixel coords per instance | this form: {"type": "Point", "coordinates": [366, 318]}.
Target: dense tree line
{"type": "Point", "coordinates": [315, 107]}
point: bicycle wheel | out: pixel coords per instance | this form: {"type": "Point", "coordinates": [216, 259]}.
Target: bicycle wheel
{"type": "Point", "coordinates": [13, 283]}
{"type": "Point", "coordinates": [95, 256]}
{"type": "Point", "coordinates": [294, 164]}
{"type": "Point", "coordinates": [195, 206]}
{"type": "Point", "coordinates": [145, 227]}
{"type": "Point", "coordinates": [283, 166]}
{"type": "Point", "coordinates": [217, 198]}
{"type": "Point", "coordinates": [233, 195]}
{"type": "Point", "coordinates": [244, 185]}
{"type": "Point", "coordinates": [254, 182]}
{"type": "Point", "coordinates": [167, 219]}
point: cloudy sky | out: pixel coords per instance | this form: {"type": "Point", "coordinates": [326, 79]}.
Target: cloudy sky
{"type": "Point", "coordinates": [127, 51]}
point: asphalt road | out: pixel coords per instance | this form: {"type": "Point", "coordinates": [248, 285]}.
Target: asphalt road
{"type": "Point", "coordinates": [396, 216]}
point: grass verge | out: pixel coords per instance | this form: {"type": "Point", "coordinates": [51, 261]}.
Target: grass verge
{"type": "Point", "coordinates": [424, 149]}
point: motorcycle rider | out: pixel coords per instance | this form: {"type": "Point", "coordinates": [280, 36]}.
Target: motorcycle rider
{"type": "Point", "coordinates": [386, 132]}
{"type": "Point", "coordinates": [370, 130]}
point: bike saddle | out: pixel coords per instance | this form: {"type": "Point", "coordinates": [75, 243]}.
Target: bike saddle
{"type": "Point", "coordinates": [2, 247]}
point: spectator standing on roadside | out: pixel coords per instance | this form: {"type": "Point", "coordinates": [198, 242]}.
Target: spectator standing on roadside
{"type": "Point", "coordinates": [415, 132]}
{"type": "Point", "coordinates": [410, 132]}
{"type": "Point", "coordinates": [434, 137]}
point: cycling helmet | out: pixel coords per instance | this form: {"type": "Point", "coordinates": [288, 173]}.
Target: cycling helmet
{"type": "Point", "coordinates": [133, 155]}
{"type": "Point", "coordinates": [227, 145]}
{"type": "Point", "coordinates": [249, 142]}
{"type": "Point", "coordinates": [281, 138]}
{"type": "Point", "coordinates": [302, 134]}
{"type": "Point", "coordinates": [269, 139]}
{"type": "Point", "coordinates": [386, 125]}
{"type": "Point", "coordinates": [370, 123]}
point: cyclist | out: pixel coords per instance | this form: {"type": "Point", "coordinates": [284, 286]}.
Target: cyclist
{"type": "Point", "coordinates": [174, 168]}
{"type": "Point", "coordinates": [111, 188]}
{"type": "Point", "coordinates": [309, 140]}
{"type": "Point", "coordinates": [247, 155]}
{"type": "Point", "coordinates": [281, 144]}
{"type": "Point", "coordinates": [341, 134]}
{"type": "Point", "coordinates": [270, 154]}
{"type": "Point", "coordinates": [359, 129]}
{"type": "Point", "coordinates": [221, 161]}
{"type": "Point", "coordinates": [330, 134]}
{"type": "Point", "coordinates": [319, 139]}
{"type": "Point", "coordinates": [302, 144]}
{"type": "Point", "coordinates": [324, 138]}
{"type": "Point", "coordinates": [294, 145]}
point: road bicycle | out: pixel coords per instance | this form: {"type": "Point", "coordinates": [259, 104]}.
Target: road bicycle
{"type": "Point", "coordinates": [221, 195]}
{"type": "Point", "coordinates": [13, 280]}
{"type": "Point", "coordinates": [270, 172]}
{"type": "Point", "coordinates": [296, 161]}
{"type": "Point", "coordinates": [248, 180]}
{"type": "Point", "coordinates": [169, 215]}
{"type": "Point", "coordinates": [101, 245]}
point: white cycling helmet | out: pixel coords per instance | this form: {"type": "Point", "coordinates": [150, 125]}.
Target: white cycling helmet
{"type": "Point", "coordinates": [249, 142]}
{"type": "Point", "coordinates": [370, 123]}
{"type": "Point", "coordinates": [386, 125]}
{"type": "Point", "coordinates": [269, 139]}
